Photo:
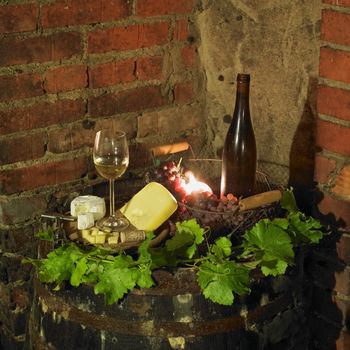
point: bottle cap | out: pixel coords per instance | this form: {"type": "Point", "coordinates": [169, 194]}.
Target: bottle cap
{"type": "Point", "coordinates": [243, 78]}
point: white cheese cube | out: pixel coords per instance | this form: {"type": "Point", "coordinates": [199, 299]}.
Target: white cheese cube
{"type": "Point", "coordinates": [88, 204]}
{"type": "Point", "coordinates": [85, 221]}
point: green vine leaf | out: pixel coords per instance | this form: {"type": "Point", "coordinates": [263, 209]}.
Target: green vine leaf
{"type": "Point", "coordinates": [77, 274]}
{"type": "Point", "coordinates": [271, 245]}
{"type": "Point", "coordinates": [114, 283]}
{"type": "Point", "coordinates": [46, 235]}
{"type": "Point", "coordinates": [219, 281]}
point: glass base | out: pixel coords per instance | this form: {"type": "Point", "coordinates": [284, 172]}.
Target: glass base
{"type": "Point", "coordinates": [113, 224]}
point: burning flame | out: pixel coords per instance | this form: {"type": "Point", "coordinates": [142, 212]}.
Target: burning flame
{"type": "Point", "coordinates": [191, 184]}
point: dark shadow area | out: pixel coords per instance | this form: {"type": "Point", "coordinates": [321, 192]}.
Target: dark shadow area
{"type": "Point", "coordinates": [322, 262]}
{"type": "Point", "coordinates": [302, 153]}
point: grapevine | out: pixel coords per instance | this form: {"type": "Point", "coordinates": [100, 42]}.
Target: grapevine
{"type": "Point", "coordinates": [223, 271]}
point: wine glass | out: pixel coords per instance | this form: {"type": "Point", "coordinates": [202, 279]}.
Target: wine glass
{"type": "Point", "coordinates": [111, 158]}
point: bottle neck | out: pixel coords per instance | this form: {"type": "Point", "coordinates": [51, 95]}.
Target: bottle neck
{"type": "Point", "coordinates": [242, 94]}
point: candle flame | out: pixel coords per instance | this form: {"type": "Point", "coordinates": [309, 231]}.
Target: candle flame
{"type": "Point", "coordinates": [191, 184]}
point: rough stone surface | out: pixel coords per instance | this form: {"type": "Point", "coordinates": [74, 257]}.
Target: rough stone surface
{"type": "Point", "coordinates": [277, 42]}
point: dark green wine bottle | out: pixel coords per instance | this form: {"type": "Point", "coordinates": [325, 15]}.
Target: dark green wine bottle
{"type": "Point", "coordinates": [238, 173]}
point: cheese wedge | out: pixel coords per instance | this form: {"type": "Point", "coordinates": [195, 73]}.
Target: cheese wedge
{"type": "Point", "coordinates": [150, 207]}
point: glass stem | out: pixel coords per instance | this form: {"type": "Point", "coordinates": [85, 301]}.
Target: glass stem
{"type": "Point", "coordinates": [111, 198]}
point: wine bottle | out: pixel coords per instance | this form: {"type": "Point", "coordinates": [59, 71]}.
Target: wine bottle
{"type": "Point", "coordinates": [239, 154]}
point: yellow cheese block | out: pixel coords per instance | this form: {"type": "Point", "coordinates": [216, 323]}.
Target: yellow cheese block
{"type": "Point", "coordinates": [150, 207]}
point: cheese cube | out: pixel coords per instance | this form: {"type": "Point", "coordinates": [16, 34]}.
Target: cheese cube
{"type": "Point", "coordinates": [85, 233]}
{"type": "Point", "coordinates": [113, 239]}
{"type": "Point", "coordinates": [88, 204]}
{"type": "Point", "coordinates": [150, 207]}
{"type": "Point", "coordinates": [85, 221]}
{"type": "Point", "coordinates": [100, 239]}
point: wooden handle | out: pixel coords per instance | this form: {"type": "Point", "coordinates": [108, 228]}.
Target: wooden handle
{"type": "Point", "coordinates": [170, 148]}
{"type": "Point", "coordinates": [258, 200]}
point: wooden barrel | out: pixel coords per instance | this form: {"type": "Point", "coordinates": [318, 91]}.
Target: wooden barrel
{"type": "Point", "coordinates": [172, 315]}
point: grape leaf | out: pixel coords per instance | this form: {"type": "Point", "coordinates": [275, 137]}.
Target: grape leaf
{"type": "Point", "coordinates": [271, 245]}
{"type": "Point", "coordinates": [288, 201]}
{"type": "Point", "coordinates": [144, 254]}
{"type": "Point", "coordinates": [46, 235]}
{"type": "Point", "coordinates": [59, 264]}
{"type": "Point", "coordinates": [188, 235]}
{"type": "Point", "coordinates": [114, 282]}
{"type": "Point", "coordinates": [78, 272]}
{"type": "Point", "coordinates": [220, 280]}
{"type": "Point", "coordinates": [222, 247]}
{"type": "Point", "coordinates": [270, 239]}
{"type": "Point", "coordinates": [192, 227]}
{"type": "Point", "coordinates": [273, 267]}
{"type": "Point", "coordinates": [179, 240]}
{"type": "Point", "coordinates": [162, 257]}
{"type": "Point", "coordinates": [305, 229]}
{"type": "Point", "coordinates": [144, 279]}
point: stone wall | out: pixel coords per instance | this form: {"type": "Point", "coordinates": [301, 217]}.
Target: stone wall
{"type": "Point", "coordinates": [277, 42]}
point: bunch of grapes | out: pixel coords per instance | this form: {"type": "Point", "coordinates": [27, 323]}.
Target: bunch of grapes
{"type": "Point", "coordinates": [211, 202]}
{"type": "Point", "coordinates": [170, 175]}
{"type": "Point", "coordinates": [173, 176]}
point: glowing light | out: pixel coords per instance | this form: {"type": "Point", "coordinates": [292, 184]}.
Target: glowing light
{"type": "Point", "coordinates": [191, 184]}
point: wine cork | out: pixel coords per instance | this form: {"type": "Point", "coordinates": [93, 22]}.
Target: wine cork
{"type": "Point", "coordinates": [170, 148]}
{"type": "Point", "coordinates": [132, 236]}
{"type": "Point", "coordinates": [259, 200]}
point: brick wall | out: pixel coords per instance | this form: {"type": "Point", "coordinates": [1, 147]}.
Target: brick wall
{"type": "Point", "coordinates": [68, 69]}
{"type": "Point", "coordinates": [330, 265]}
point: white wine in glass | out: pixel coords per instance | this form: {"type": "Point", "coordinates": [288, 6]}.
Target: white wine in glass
{"type": "Point", "coordinates": [111, 158]}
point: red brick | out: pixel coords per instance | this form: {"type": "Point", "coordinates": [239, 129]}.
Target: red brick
{"type": "Point", "coordinates": [128, 38]}
{"type": "Point", "coordinates": [333, 137]}
{"type": "Point", "coordinates": [335, 64]}
{"type": "Point", "coordinates": [181, 31]}
{"type": "Point", "coordinates": [20, 86]}
{"type": "Point", "coordinates": [342, 183]}
{"type": "Point", "coordinates": [65, 78]}
{"type": "Point", "coordinates": [343, 341]}
{"type": "Point", "coordinates": [53, 47]}
{"type": "Point", "coordinates": [337, 2]}
{"type": "Point", "coordinates": [323, 168]}
{"type": "Point", "coordinates": [111, 73]}
{"type": "Point", "coordinates": [40, 175]}
{"type": "Point", "coordinates": [337, 209]}
{"type": "Point", "coordinates": [188, 54]}
{"type": "Point", "coordinates": [342, 281]}
{"type": "Point", "coordinates": [153, 34]}
{"type": "Point", "coordinates": [335, 27]}
{"type": "Point", "coordinates": [148, 68]}
{"type": "Point", "coordinates": [164, 7]}
{"type": "Point", "coordinates": [334, 102]}
{"type": "Point", "coordinates": [75, 136]}
{"type": "Point", "coordinates": [65, 13]}
{"type": "Point", "coordinates": [18, 18]}
{"type": "Point", "coordinates": [183, 92]}
{"type": "Point", "coordinates": [127, 101]}
{"type": "Point", "coordinates": [22, 148]}
{"type": "Point", "coordinates": [343, 248]}
{"type": "Point", "coordinates": [41, 115]}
